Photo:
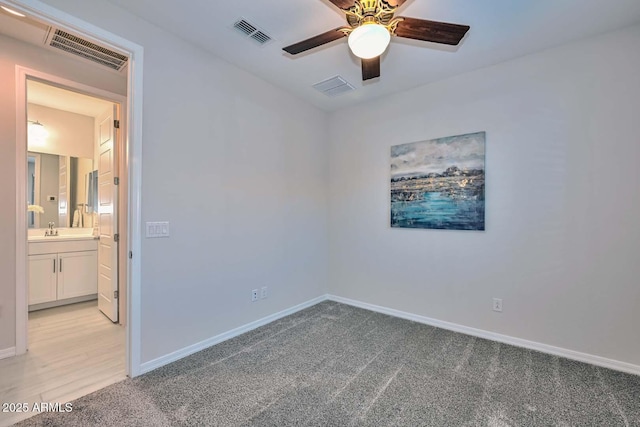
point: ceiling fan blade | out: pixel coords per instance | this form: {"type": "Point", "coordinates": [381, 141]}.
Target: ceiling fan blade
{"type": "Point", "coordinates": [316, 41]}
{"type": "Point", "coordinates": [431, 31]}
{"type": "Point", "coordinates": [343, 4]}
{"type": "Point", "coordinates": [370, 68]}
{"type": "Point", "coordinates": [396, 3]}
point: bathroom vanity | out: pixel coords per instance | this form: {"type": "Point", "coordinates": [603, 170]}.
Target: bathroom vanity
{"type": "Point", "coordinates": [62, 269]}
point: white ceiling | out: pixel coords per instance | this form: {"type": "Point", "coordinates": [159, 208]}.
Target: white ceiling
{"type": "Point", "coordinates": [34, 32]}
{"type": "Point", "coordinates": [65, 100]}
{"type": "Point", "coordinates": [24, 29]}
{"type": "Point", "coordinates": [500, 30]}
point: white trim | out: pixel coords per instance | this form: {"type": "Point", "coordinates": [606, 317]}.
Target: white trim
{"type": "Point", "coordinates": [506, 339]}
{"type": "Point", "coordinates": [66, 84]}
{"type": "Point", "coordinates": [186, 351]}
{"type": "Point", "coordinates": [7, 352]}
{"type": "Point", "coordinates": [63, 20]}
{"type": "Point", "coordinates": [133, 143]}
{"type": "Point", "coordinates": [21, 219]}
{"type": "Point", "coordinates": [518, 342]}
{"type": "Point", "coordinates": [134, 221]}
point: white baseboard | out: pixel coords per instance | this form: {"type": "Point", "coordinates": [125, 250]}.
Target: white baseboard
{"type": "Point", "coordinates": [186, 351]}
{"type": "Point", "coordinates": [7, 352]}
{"type": "Point", "coordinates": [506, 339]}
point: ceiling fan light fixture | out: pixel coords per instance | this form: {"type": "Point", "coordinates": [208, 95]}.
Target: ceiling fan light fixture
{"type": "Point", "coordinates": [369, 40]}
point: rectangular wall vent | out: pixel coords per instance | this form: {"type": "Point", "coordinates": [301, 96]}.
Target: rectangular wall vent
{"type": "Point", "coordinates": [334, 86]}
{"type": "Point", "coordinates": [87, 50]}
{"type": "Point", "coordinates": [252, 31]}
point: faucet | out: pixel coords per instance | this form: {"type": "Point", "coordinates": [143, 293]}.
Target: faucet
{"type": "Point", "coordinates": [51, 231]}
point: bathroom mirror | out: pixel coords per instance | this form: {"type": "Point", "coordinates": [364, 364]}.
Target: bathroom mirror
{"type": "Point", "coordinates": [65, 187]}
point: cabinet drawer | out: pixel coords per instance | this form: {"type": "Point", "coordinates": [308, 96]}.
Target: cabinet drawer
{"type": "Point", "coordinates": [39, 248]}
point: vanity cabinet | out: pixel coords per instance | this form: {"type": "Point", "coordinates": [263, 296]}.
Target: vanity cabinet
{"type": "Point", "coordinates": [60, 271]}
{"type": "Point", "coordinates": [43, 278]}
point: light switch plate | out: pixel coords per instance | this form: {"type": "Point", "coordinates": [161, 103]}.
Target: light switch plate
{"type": "Point", "coordinates": [157, 229]}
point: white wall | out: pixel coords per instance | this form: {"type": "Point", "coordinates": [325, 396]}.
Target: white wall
{"type": "Point", "coordinates": [239, 168]}
{"type": "Point", "coordinates": [70, 134]}
{"type": "Point", "coordinates": [13, 52]}
{"type": "Point", "coordinates": [49, 186]}
{"type": "Point", "coordinates": [562, 239]}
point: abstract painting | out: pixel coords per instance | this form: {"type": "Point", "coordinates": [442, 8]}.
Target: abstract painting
{"type": "Point", "coordinates": [439, 183]}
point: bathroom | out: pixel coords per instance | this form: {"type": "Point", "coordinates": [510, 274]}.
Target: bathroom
{"type": "Point", "coordinates": [67, 309]}
{"type": "Point", "coordinates": [71, 259]}
{"type": "Point", "coordinates": [62, 193]}
{"type": "Point", "coordinates": [72, 251]}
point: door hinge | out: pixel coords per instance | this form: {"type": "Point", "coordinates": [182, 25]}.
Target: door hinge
{"type": "Point", "coordinates": [130, 255]}
{"type": "Point", "coordinates": [116, 294]}
{"type": "Point", "coordinates": [116, 237]}
{"type": "Point", "coordinates": [116, 180]}
{"type": "Point", "coordinates": [116, 124]}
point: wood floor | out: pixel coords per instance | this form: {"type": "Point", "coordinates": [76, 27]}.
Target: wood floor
{"type": "Point", "coordinates": [74, 350]}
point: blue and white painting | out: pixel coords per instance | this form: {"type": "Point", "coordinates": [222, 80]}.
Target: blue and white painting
{"type": "Point", "coordinates": [439, 183]}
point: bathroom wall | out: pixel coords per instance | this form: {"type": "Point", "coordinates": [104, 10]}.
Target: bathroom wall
{"type": "Point", "coordinates": [70, 134]}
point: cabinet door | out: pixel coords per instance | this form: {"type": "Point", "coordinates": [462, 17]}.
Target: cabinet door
{"type": "Point", "coordinates": [77, 274]}
{"type": "Point", "coordinates": [42, 278]}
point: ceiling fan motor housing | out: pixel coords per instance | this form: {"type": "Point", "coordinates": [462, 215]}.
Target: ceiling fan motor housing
{"type": "Point", "coordinates": [370, 12]}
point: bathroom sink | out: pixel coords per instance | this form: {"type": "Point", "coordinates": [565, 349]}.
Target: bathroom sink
{"type": "Point", "coordinates": [61, 237]}
{"type": "Point", "coordinates": [38, 235]}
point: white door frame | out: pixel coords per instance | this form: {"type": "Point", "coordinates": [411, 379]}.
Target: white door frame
{"type": "Point", "coordinates": [133, 145]}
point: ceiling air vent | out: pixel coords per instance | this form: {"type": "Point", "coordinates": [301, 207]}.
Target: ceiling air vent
{"type": "Point", "coordinates": [85, 49]}
{"type": "Point", "coordinates": [252, 31]}
{"type": "Point", "coordinates": [334, 86]}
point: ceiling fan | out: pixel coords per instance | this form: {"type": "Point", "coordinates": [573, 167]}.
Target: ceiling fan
{"type": "Point", "coordinates": [371, 25]}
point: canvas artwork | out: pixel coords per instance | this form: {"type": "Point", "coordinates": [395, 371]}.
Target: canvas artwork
{"type": "Point", "coordinates": [439, 183]}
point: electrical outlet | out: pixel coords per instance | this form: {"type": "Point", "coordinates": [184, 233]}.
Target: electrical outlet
{"type": "Point", "coordinates": [254, 295]}
{"type": "Point", "coordinates": [264, 292]}
{"type": "Point", "coordinates": [497, 304]}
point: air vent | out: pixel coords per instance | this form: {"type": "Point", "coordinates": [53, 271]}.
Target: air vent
{"type": "Point", "coordinates": [252, 31]}
{"type": "Point", "coordinates": [334, 86]}
{"type": "Point", "coordinates": [260, 37]}
{"type": "Point", "coordinates": [245, 27]}
{"type": "Point", "coordinates": [85, 49]}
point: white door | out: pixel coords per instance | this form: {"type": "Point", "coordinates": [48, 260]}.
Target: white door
{"type": "Point", "coordinates": [63, 192]}
{"type": "Point", "coordinates": [108, 218]}
{"type": "Point", "coordinates": [77, 273]}
{"type": "Point", "coordinates": [42, 278]}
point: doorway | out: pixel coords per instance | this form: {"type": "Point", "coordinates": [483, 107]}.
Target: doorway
{"type": "Point", "coordinates": [130, 186]}
{"type": "Point", "coordinates": [75, 342]}
{"type": "Point", "coordinates": [73, 141]}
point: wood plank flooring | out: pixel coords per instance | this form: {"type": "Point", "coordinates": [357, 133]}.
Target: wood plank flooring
{"type": "Point", "coordinates": [74, 350]}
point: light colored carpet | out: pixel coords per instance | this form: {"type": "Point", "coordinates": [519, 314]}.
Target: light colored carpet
{"type": "Point", "coordinates": [336, 365]}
